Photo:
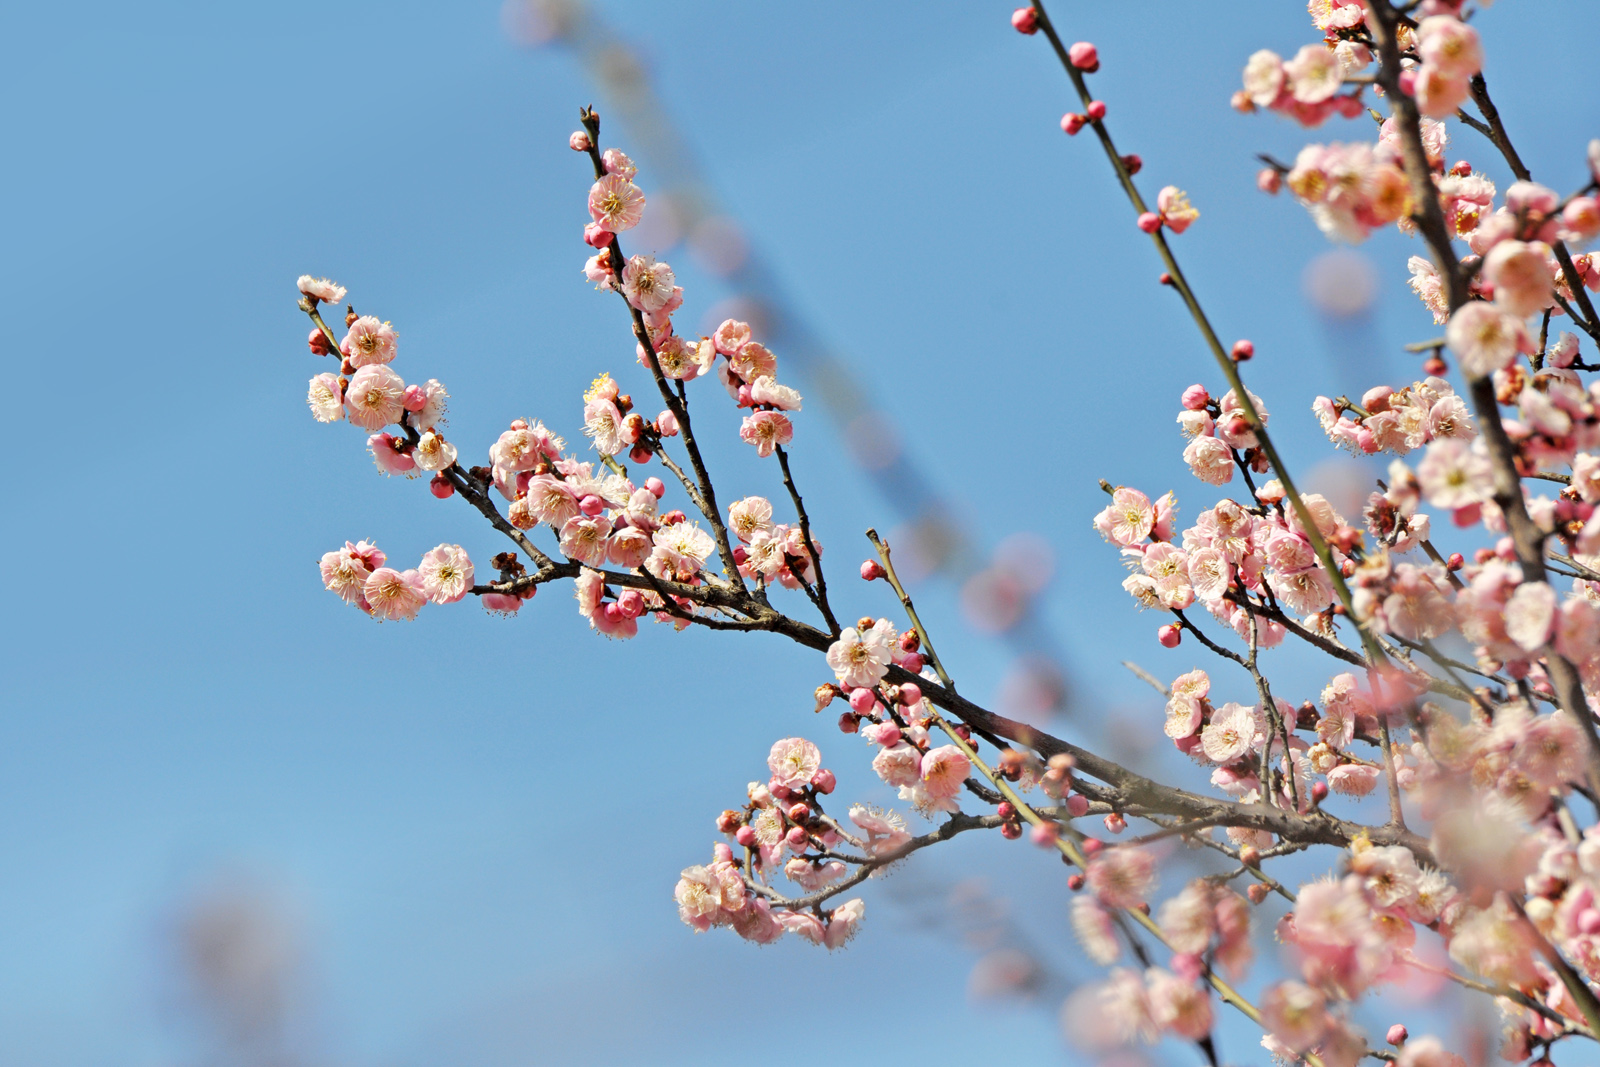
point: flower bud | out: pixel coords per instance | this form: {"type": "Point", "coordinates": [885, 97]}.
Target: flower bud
{"type": "Point", "coordinates": [1149, 222]}
{"type": "Point", "coordinates": [1133, 163]}
{"type": "Point", "coordinates": [1243, 350]}
{"type": "Point", "coordinates": [1115, 823]}
{"type": "Point", "coordinates": [910, 641]}
{"type": "Point", "coordinates": [800, 812]}
{"type": "Point", "coordinates": [912, 663]}
{"type": "Point", "coordinates": [1010, 830]}
{"type": "Point", "coordinates": [1096, 110]}
{"type": "Point", "coordinates": [729, 822]}
{"type": "Point", "coordinates": [1169, 636]}
{"type": "Point", "coordinates": [745, 836]}
{"type": "Point", "coordinates": [1397, 1035]}
{"type": "Point", "coordinates": [631, 603]}
{"type": "Point", "coordinates": [591, 505]}
{"type": "Point", "coordinates": [441, 487]}
{"type": "Point", "coordinates": [1025, 20]}
{"type": "Point", "coordinates": [1084, 56]}
{"type": "Point", "coordinates": [848, 723]}
{"type": "Point", "coordinates": [1075, 881]}
{"type": "Point", "coordinates": [673, 517]}
{"type": "Point", "coordinates": [667, 424]}
{"type": "Point", "coordinates": [1045, 834]}
{"type": "Point", "coordinates": [639, 454]}
{"type": "Point", "coordinates": [1250, 856]}
{"type": "Point", "coordinates": [579, 141]}
{"type": "Point", "coordinates": [798, 839]}
{"type": "Point", "coordinates": [1077, 805]}
{"type": "Point", "coordinates": [1195, 398]}
{"type": "Point", "coordinates": [862, 700]}
{"type": "Point", "coordinates": [1257, 893]}
{"type": "Point", "coordinates": [1005, 810]}
{"type": "Point", "coordinates": [319, 343]}
{"type": "Point", "coordinates": [1435, 366]}
{"type": "Point", "coordinates": [872, 570]}
{"type": "Point", "coordinates": [1268, 180]}
{"type": "Point", "coordinates": [1319, 791]}
{"type": "Point", "coordinates": [1072, 122]}
{"type": "Point", "coordinates": [910, 694]}
{"type": "Point", "coordinates": [823, 781]}
{"type": "Point", "coordinates": [595, 237]}
{"type": "Point", "coordinates": [1092, 846]}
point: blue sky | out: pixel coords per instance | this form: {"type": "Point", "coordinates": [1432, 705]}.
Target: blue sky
{"type": "Point", "coordinates": [473, 825]}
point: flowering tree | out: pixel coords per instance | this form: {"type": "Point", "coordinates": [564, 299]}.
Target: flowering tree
{"type": "Point", "coordinates": [1483, 766]}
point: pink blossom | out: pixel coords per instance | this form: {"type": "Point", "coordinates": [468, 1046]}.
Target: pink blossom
{"type": "Point", "coordinates": [1304, 592]}
{"type": "Point", "coordinates": [1092, 925]}
{"type": "Point", "coordinates": [699, 897]}
{"type": "Point", "coordinates": [1439, 93]}
{"type": "Point", "coordinates": [1520, 273]}
{"type": "Point", "coordinates": [615, 203]}
{"type": "Point", "coordinates": [1454, 474]}
{"type": "Point", "coordinates": [756, 922]}
{"type": "Point", "coordinates": [619, 164]}
{"type": "Point", "coordinates": [679, 552]}
{"type": "Point", "coordinates": [387, 456]}
{"type": "Point", "coordinates": [898, 765]}
{"type": "Point", "coordinates": [604, 424]}
{"type": "Point", "coordinates": [1176, 211]}
{"type": "Point", "coordinates": [843, 922]}
{"type": "Point", "coordinates": [500, 603]}
{"type": "Point", "coordinates": [1210, 460]}
{"type": "Point", "coordinates": [1230, 734]}
{"type": "Point", "coordinates": [1353, 779]}
{"type": "Point", "coordinates": [1530, 615]}
{"type": "Point", "coordinates": [321, 289]}
{"type": "Point", "coordinates": [749, 516]}
{"type": "Point", "coordinates": [1122, 877]}
{"type": "Point", "coordinates": [372, 400]}
{"type": "Point", "coordinates": [1180, 1006]}
{"type": "Point", "coordinates": [446, 574]}
{"type": "Point", "coordinates": [583, 539]}
{"type": "Point", "coordinates": [1128, 519]}
{"type": "Point", "coordinates": [731, 337]}
{"type": "Point", "coordinates": [1427, 284]}
{"type": "Point", "coordinates": [1427, 1052]}
{"type": "Point", "coordinates": [766, 430]}
{"type": "Point", "coordinates": [1264, 77]}
{"type": "Point", "coordinates": [325, 397]}
{"type": "Point", "coordinates": [393, 594]}
{"type": "Point", "coordinates": [345, 571]}
{"type": "Point", "coordinates": [861, 657]}
{"type": "Point", "coordinates": [793, 761]}
{"type": "Point", "coordinates": [1210, 573]}
{"type": "Point", "coordinates": [1187, 919]}
{"type": "Point", "coordinates": [812, 876]}
{"type": "Point", "coordinates": [1449, 45]}
{"type": "Point", "coordinates": [1485, 338]}
{"type": "Point", "coordinates": [1295, 1014]}
{"type": "Point", "coordinates": [368, 342]}
{"type": "Point", "coordinates": [753, 361]}
{"type": "Point", "coordinates": [648, 285]}
{"type": "Point", "coordinates": [886, 831]}
{"type": "Point", "coordinates": [944, 769]}
{"type": "Point", "coordinates": [767, 391]}
{"type": "Point", "coordinates": [434, 453]}
{"type": "Point", "coordinates": [1184, 704]}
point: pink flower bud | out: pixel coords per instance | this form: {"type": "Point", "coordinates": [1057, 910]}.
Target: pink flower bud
{"type": "Point", "coordinates": [910, 693]}
{"type": "Point", "coordinates": [798, 839]}
{"type": "Point", "coordinates": [848, 723]}
{"type": "Point", "coordinates": [1045, 834]}
{"type": "Point", "coordinates": [1133, 163]}
{"type": "Point", "coordinates": [1350, 107]}
{"type": "Point", "coordinates": [656, 486]}
{"type": "Point", "coordinates": [1408, 82]}
{"type": "Point", "coordinates": [1005, 810]}
{"type": "Point", "coordinates": [579, 141]}
{"type": "Point", "coordinates": [728, 822]}
{"type": "Point", "coordinates": [631, 603]}
{"type": "Point", "coordinates": [1243, 350]}
{"type": "Point", "coordinates": [862, 699]}
{"type": "Point", "coordinates": [639, 454]}
{"type": "Point", "coordinates": [1096, 110]}
{"type": "Point", "coordinates": [415, 398]}
{"type": "Point", "coordinates": [1075, 881]}
{"type": "Point", "coordinates": [1319, 792]}
{"type": "Point", "coordinates": [1115, 823]}
{"type": "Point", "coordinates": [1397, 1035]}
{"type": "Point", "coordinates": [441, 487]}
{"type": "Point", "coordinates": [1269, 180]}
{"type": "Point", "coordinates": [743, 399]}
{"type": "Point", "coordinates": [823, 781]}
{"type": "Point", "coordinates": [1456, 561]}
{"type": "Point", "coordinates": [913, 662]}
{"type": "Point", "coordinates": [319, 343]}
{"type": "Point", "coordinates": [800, 812]}
{"type": "Point", "coordinates": [1025, 20]}
{"type": "Point", "coordinates": [1149, 222]}
{"type": "Point", "coordinates": [1010, 830]}
{"type": "Point", "coordinates": [740, 554]}
{"type": "Point", "coordinates": [886, 734]}
{"type": "Point", "coordinates": [1188, 966]}
{"type": "Point", "coordinates": [667, 424]}
{"type": "Point", "coordinates": [1169, 636]}
{"type": "Point", "coordinates": [1072, 122]}
{"type": "Point", "coordinates": [1084, 56]}
{"type": "Point", "coordinates": [1195, 398]}
{"type": "Point", "coordinates": [872, 570]}
{"type": "Point", "coordinates": [1257, 893]}
{"type": "Point", "coordinates": [745, 836]}
{"type": "Point", "coordinates": [1077, 805]}
{"type": "Point", "coordinates": [595, 237]}
{"type": "Point", "coordinates": [1589, 920]}
{"type": "Point", "coordinates": [591, 505]}
{"type": "Point", "coordinates": [1092, 846]}
{"type": "Point", "coordinates": [1250, 856]}
{"type": "Point", "coordinates": [780, 791]}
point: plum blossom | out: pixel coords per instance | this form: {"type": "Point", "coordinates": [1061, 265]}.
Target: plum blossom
{"type": "Point", "coordinates": [1230, 734]}
{"type": "Point", "coordinates": [369, 342]}
{"type": "Point", "coordinates": [615, 203]}
{"type": "Point", "coordinates": [1486, 338]}
{"type": "Point", "coordinates": [1122, 877]}
{"type": "Point", "coordinates": [446, 574]}
{"type": "Point", "coordinates": [393, 594]}
{"type": "Point", "coordinates": [862, 657]}
{"type": "Point", "coordinates": [321, 289]}
{"type": "Point", "coordinates": [372, 400]}
{"type": "Point", "coordinates": [345, 571]}
{"type": "Point", "coordinates": [886, 831]}
{"type": "Point", "coordinates": [1128, 519]}
{"type": "Point", "coordinates": [1454, 474]}
{"type": "Point", "coordinates": [647, 284]}
{"type": "Point", "coordinates": [326, 398]}
{"type": "Point", "coordinates": [1210, 460]}
{"type": "Point", "coordinates": [766, 430]}
{"type": "Point", "coordinates": [793, 761]}
{"type": "Point", "coordinates": [944, 769]}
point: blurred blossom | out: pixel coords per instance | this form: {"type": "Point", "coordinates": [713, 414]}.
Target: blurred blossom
{"type": "Point", "coordinates": [1341, 283]}
{"type": "Point", "coordinates": [1004, 973]}
{"type": "Point", "coordinates": [1033, 690]}
{"type": "Point", "coordinates": [532, 23]}
{"type": "Point", "coordinates": [718, 245]}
